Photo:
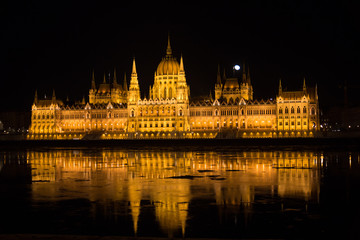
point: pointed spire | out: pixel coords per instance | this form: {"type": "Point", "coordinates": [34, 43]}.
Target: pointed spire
{"type": "Point", "coordinates": [115, 81]}
{"type": "Point", "coordinates": [83, 100]}
{"type": "Point", "coordinates": [224, 76]}
{"type": "Point", "coordinates": [134, 89]}
{"type": "Point", "coordinates": [53, 96]}
{"type": "Point", "coordinates": [36, 97]}
{"type": "Point", "coordinates": [304, 85]}
{"type": "Point", "coordinates": [244, 80]}
{"type": "Point", "coordinates": [93, 80]}
{"type": "Point", "coordinates": [133, 67]}
{"type": "Point", "coordinates": [104, 81]}
{"type": "Point", "coordinates": [125, 83]}
{"type": "Point", "coordinates": [181, 70]}
{"type": "Point", "coordinates": [218, 77]}
{"type": "Point", "coordinates": [168, 49]}
{"type": "Point", "coordinates": [280, 87]}
{"type": "Point", "coordinates": [248, 76]}
{"type": "Point", "coordinates": [316, 91]}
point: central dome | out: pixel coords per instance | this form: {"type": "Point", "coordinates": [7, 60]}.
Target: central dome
{"type": "Point", "coordinates": [168, 65]}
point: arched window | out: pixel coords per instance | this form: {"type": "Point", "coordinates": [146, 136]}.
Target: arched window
{"type": "Point", "coordinates": [280, 111]}
{"type": "Point", "coordinates": [286, 110]}
{"type": "Point", "coordinates": [180, 112]}
{"type": "Point", "coordinates": [132, 113]}
{"type": "Point", "coordinates": [164, 93]}
{"type": "Point", "coordinates": [298, 109]}
{"type": "Point", "coordinates": [312, 111]}
{"type": "Point", "coordinates": [304, 110]}
{"type": "Point", "coordinates": [216, 112]}
{"type": "Point", "coordinates": [292, 110]}
{"type": "Point", "coordinates": [170, 93]}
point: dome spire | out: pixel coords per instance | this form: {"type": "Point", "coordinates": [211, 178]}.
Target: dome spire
{"type": "Point", "coordinates": [168, 49]}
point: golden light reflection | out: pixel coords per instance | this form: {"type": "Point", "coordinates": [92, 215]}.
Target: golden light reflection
{"type": "Point", "coordinates": [165, 179]}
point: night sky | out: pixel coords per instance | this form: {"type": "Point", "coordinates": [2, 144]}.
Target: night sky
{"type": "Point", "coordinates": [48, 45]}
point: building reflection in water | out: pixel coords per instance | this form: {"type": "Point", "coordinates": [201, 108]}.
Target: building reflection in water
{"type": "Point", "coordinates": [167, 179]}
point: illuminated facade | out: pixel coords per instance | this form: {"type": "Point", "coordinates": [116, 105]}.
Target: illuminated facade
{"type": "Point", "coordinates": [116, 111]}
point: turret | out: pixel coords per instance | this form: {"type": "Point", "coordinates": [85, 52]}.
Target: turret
{"type": "Point", "coordinates": [246, 90]}
{"type": "Point", "coordinates": [53, 99]}
{"type": "Point", "coordinates": [304, 85]}
{"type": "Point", "coordinates": [134, 89]}
{"type": "Point", "coordinates": [93, 86]}
{"type": "Point", "coordinates": [92, 90]}
{"type": "Point", "coordinates": [35, 98]}
{"type": "Point", "coordinates": [181, 86]}
{"type": "Point", "coordinates": [218, 85]}
{"type": "Point", "coordinates": [280, 87]}
{"type": "Point", "coordinates": [115, 80]}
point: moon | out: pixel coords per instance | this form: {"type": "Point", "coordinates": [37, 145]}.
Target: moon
{"type": "Point", "coordinates": [237, 67]}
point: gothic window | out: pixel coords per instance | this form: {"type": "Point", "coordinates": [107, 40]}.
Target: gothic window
{"type": "Point", "coordinates": [132, 113]}
{"type": "Point", "coordinates": [216, 112]}
{"type": "Point", "coordinates": [180, 112]}
{"type": "Point", "coordinates": [164, 93]}
{"type": "Point", "coordinates": [298, 110]}
{"type": "Point", "coordinates": [280, 111]}
{"type": "Point", "coordinates": [292, 110]}
{"type": "Point", "coordinates": [286, 110]}
{"type": "Point", "coordinates": [304, 110]}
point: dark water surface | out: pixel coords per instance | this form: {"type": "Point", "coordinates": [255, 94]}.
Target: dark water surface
{"type": "Point", "coordinates": [183, 192]}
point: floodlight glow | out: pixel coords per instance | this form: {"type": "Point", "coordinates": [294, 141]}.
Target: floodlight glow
{"type": "Point", "coordinates": [237, 67]}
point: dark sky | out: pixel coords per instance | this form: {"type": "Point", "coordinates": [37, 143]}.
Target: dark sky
{"type": "Point", "coordinates": [48, 45]}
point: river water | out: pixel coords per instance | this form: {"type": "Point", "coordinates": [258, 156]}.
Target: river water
{"type": "Point", "coordinates": [181, 192]}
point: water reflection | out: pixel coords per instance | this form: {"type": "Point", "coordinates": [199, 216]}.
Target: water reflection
{"type": "Point", "coordinates": [165, 186]}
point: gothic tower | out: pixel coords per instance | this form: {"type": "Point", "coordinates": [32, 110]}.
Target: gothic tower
{"type": "Point", "coordinates": [134, 89]}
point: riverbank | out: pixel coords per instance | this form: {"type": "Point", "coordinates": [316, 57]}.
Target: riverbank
{"type": "Point", "coordinates": [329, 143]}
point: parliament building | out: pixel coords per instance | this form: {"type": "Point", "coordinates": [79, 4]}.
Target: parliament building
{"type": "Point", "coordinates": [116, 111]}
